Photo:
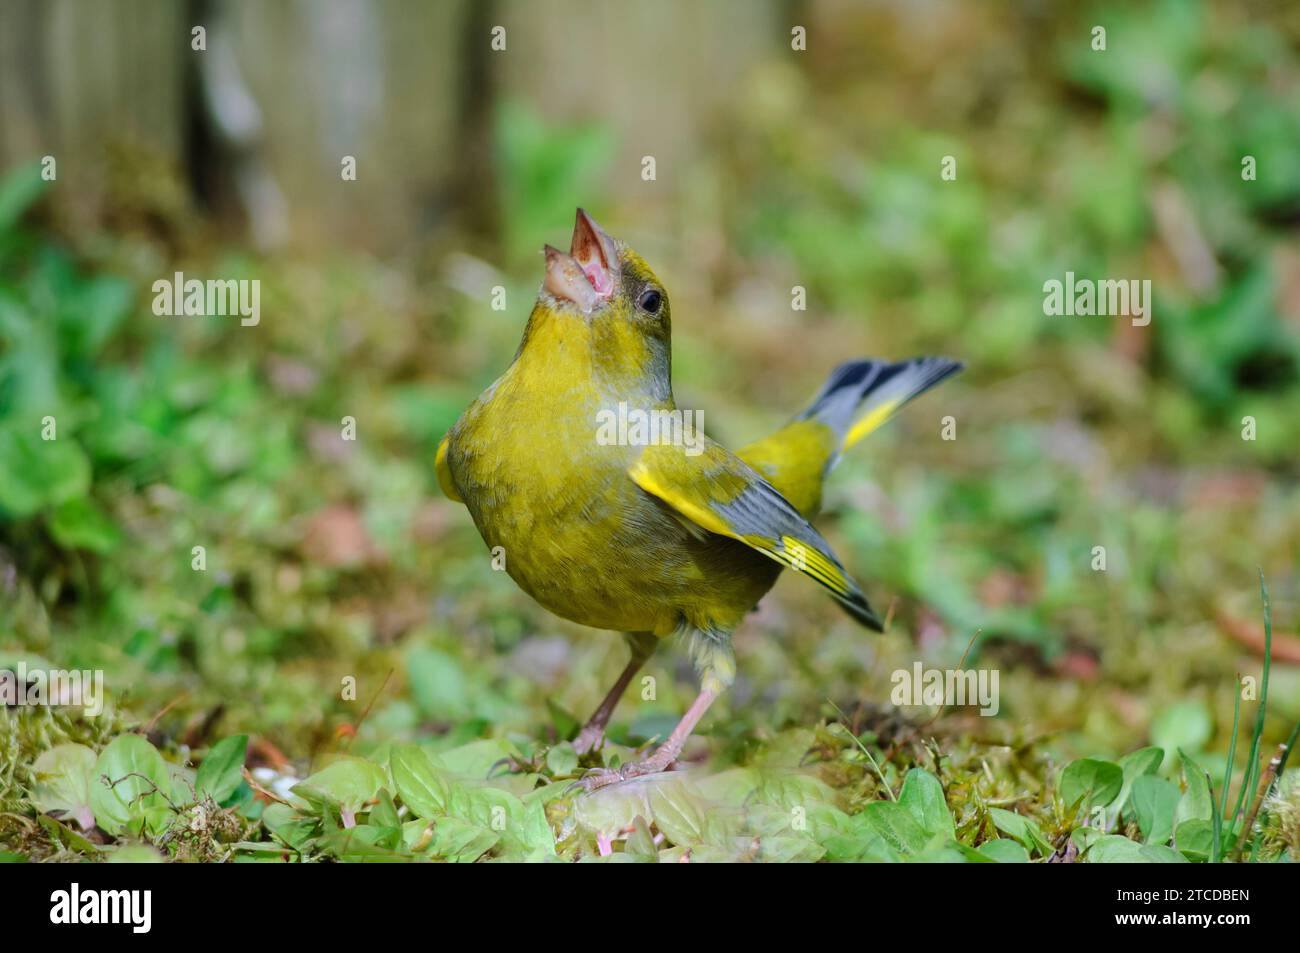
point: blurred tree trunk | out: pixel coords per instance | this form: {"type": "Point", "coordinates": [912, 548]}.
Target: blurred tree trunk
{"type": "Point", "coordinates": [73, 74]}
{"type": "Point", "coordinates": [260, 122]}
{"type": "Point", "coordinates": [76, 77]}
{"type": "Point", "coordinates": [375, 81]}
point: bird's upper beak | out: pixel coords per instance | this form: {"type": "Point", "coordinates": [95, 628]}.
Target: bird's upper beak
{"type": "Point", "coordinates": [595, 253]}
{"type": "Point", "coordinates": [587, 275]}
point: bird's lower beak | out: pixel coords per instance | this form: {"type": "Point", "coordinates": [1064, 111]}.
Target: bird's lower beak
{"type": "Point", "coordinates": [595, 254]}
{"type": "Point", "coordinates": [565, 279]}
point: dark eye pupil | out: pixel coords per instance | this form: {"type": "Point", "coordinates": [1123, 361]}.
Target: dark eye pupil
{"type": "Point", "coordinates": [650, 301]}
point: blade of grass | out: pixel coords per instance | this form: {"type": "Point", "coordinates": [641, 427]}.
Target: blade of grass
{"type": "Point", "coordinates": [1232, 750]}
{"type": "Point", "coordinates": [1252, 763]}
{"type": "Point", "coordinates": [1216, 821]}
{"type": "Point", "coordinates": [844, 720]}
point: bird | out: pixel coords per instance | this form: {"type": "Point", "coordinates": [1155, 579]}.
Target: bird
{"type": "Point", "coordinates": [670, 536]}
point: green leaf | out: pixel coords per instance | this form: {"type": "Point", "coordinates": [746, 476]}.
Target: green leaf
{"type": "Point", "coordinates": [1004, 851]}
{"type": "Point", "coordinates": [1142, 761]}
{"type": "Point", "coordinates": [384, 814]}
{"type": "Point", "coordinates": [80, 524]}
{"type": "Point", "coordinates": [135, 803]}
{"type": "Point", "coordinates": [1185, 725]}
{"type": "Point", "coordinates": [529, 835]}
{"type": "Point", "coordinates": [19, 189]}
{"type": "Point", "coordinates": [1022, 830]}
{"type": "Point", "coordinates": [677, 812]}
{"type": "Point", "coordinates": [1090, 782]}
{"type": "Point", "coordinates": [63, 778]}
{"type": "Point", "coordinates": [1085, 837]}
{"type": "Point", "coordinates": [641, 842]}
{"type": "Point", "coordinates": [477, 758]}
{"type": "Point", "coordinates": [562, 760]}
{"type": "Point", "coordinates": [1162, 854]}
{"type": "Point", "coordinates": [1197, 802]}
{"type": "Point", "coordinates": [922, 794]}
{"type": "Point", "coordinates": [419, 784]}
{"type": "Point", "coordinates": [134, 854]}
{"type": "Point", "coordinates": [896, 825]}
{"type": "Point", "coordinates": [437, 683]}
{"type": "Point", "coordinates": [384, 820]}
{"type": "Point", "coordinates": [357, 844]}
{"type": "Point", "coordinates": [524, 831]}
{"type": "Point", "coordinates": [35, 473]}
{"type": "Point", "coordinates": [950, 853]}
{"type": "Point", "coordinates": [1113, 849]}
{"type": "Point", "coordinates": [222, 770]}
{"type": "Point", "coordinates": [862, 845]}
{"type": "Point", "coordinates": [348, 782]}
{"type": "Point", "coordinates": [67, 836]}
{"type": "Point", "coordinates": [969, 854]}
{"type": "Point", "coordinates": [459, 841]}
{"type": "Point", "coordinates": [1135, 764]}
{"type": "Point", "coordinates": [1194, 839]}
{"type": "Point", "coordinates": [1154, 802]}
{"type": "Point", "coordinates": [289, 826]}
{"type": "Point", "coordinates": [91, 313]}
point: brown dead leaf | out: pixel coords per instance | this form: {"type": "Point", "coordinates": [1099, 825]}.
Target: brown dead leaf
{"type": "Point", "coordinates": [336, 537]}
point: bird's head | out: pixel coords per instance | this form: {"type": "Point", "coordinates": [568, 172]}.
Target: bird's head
{"type": "Point", "coordinates": [608, 288]}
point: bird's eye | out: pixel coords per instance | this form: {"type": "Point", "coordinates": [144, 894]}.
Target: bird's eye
{"type": "Point", "coordinates": [650, 301]}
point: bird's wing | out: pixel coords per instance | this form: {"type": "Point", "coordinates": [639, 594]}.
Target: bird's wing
{"type": "Point", "coordinates": [444, 472]}
{"type": "Point", "coordinates": [718, 491]}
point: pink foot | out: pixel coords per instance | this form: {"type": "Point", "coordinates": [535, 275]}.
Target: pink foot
{"type": "Point", "coordinates": [604, 777]}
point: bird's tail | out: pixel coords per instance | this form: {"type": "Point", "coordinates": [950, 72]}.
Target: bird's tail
{"type": "Point", "coordinates": [856, 399]}
{"type": "Point", "coordinates": [859, 396]}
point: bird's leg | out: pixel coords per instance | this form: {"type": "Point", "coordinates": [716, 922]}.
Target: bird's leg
{"type": "Point", "coordinates": [664, 755]}
{"type": "Point", "coordinates": [592, 735]}
{"type": "Point", "coordinates": [710, 650]}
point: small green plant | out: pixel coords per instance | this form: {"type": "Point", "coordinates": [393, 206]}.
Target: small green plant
{"type": "Point", "coordinates": [1128, 813]}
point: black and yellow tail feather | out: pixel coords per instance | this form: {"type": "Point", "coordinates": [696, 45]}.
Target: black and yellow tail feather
{"type": "Point", "coordinates": [861, 395]}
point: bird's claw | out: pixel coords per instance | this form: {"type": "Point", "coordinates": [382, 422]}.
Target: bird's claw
{"type": "Point", "coordinates": [512, 765]}
{"type": "Point", "coordinates": [598, 778]}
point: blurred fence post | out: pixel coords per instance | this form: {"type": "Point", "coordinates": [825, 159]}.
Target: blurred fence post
{"type": "Point", "coordinates": [376, 81]}
{"type": "Point", "coordinates": [405, 87]}
{"type": "Point", "coordinates": [76, 76]}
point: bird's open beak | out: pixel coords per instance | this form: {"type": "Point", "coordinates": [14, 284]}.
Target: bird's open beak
{"type": "Point", "coordinates": [565, 279]}
{"type": "Point", "coordinates": [595, 253]}
{"type": "Point", "coordinates": [587, 274]}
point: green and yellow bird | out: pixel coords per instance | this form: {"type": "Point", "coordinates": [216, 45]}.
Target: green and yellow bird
{"type": "Point", "coordinates": [649, 538]}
